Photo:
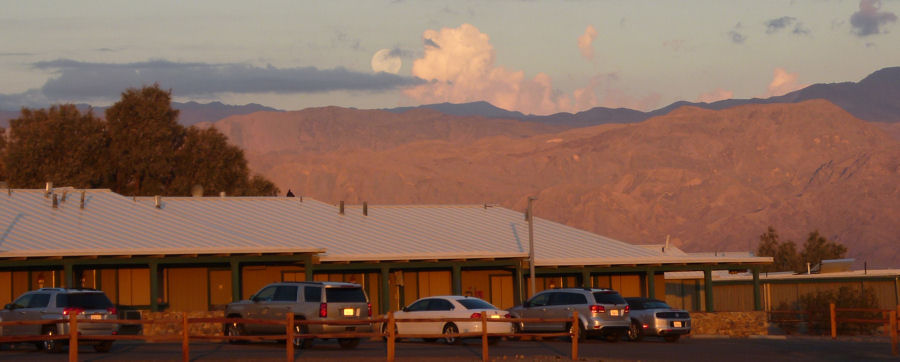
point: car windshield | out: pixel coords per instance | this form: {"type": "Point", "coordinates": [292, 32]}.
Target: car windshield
{"type": "Point", "coordinates": [345, 295]}
{"type": "Point", "coordinates": [609, 297]}
{"type": "Point", "coordinates": [83, 300]}
{"type": "Point", "coordinates": [472, 303]}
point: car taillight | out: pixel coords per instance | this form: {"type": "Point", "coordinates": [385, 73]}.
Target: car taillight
{"type": "Point", "coordinates": [627, 308]}
{"type": "Point", "coordinates": [507, 315]}
{"type": "Point", "coordinates": [323, 310]}
{"type": "Point", "coordinates": [475, 316]}
{"type": "Point", "coordinates": [72, 310]}
{"type": "Point", "coordinates": [111, 310]}
{"type": "Point", "coordinates": [369, 309]}
{"type": "Point", "coordinates": [598, 309]}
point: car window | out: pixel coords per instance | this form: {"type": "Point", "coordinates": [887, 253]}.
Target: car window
{"type": "Point", "coordinates": [345, 295]}
{"type": "Point", "coordinates": [540, 300]}
{"type": "Point", "coordinates": [440, 304]}
{"type": "Point", "coordinates": [609, 297]}
{"type": "Point", "coordinates": [419, 306]}
{"type": "Point", "coordinates": [559, 298]}
{"type": "Point", "coordinates": [266, 294]}
{"type": "Point", "coordinates": [40, 300]}
{"type": "Point", "coordinates": [285, 293]}
{"type": "Point", "coordinates": [83, 300]}
{"type": "Point", "coordinates": [312, 294]}
{"type": "Point", "coordinates": [635, 304]}
{"type": "Point", "coordinates": [23, 301]}
{"type": "Point", "coordinates": [475, 303]}
{"type": "Point", "coordinates": [576, 298]}
{"type": "Point", "coordinates": [656, 304]}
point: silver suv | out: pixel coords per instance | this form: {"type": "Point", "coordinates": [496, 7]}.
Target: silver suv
{"type": "Point", "coordinates": [601, 311]}
{"type": "Point", "coordinates": [308, 301]}
{"type": "Point", "coordinates": [60, 303]}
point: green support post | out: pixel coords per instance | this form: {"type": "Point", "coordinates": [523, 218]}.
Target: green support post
{"type": "Point", "coordinates": [384, 303]}
{"type": "Point", "coordinates": [69, 275]}
{"type": "Point", "coordinates": [236, 292]}
{"type": "Point", "coordinates": [456, 279]}
{"type": "Point", "coordinates": [517, 285]}
{"type": "Point", "coordinates": [154, 286]}
{"type": "Point", "coordinates": [586, 281]}
{"type": "Point", "coordinates": [757, 296]}
{"type": "Point", "coordinates": [651, 283]}
{"type": "Point", "coordinates": [308, 267]}
{"type": "Point", "coordinates": [707, 285]}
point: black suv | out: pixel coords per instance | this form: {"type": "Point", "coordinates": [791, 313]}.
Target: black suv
{"type": "Point", "coordinates": [60, 303]}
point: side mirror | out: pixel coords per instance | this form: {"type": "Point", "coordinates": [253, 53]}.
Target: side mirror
{"type": "Point", "coordinates": [254, 298]}
{"type": "Point", "coordinates": [405, 309]}
{"type": "Point", "coordinates": [9, 306]}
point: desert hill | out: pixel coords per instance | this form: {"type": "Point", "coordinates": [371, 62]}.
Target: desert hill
{"type": "Point", "coordinates": [713, 180]}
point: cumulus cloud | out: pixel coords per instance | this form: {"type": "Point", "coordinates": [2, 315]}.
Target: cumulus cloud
{"type": "Point", "coordinates": [716, 95]}
{"type": "Point", "coordinates": [869, 18]}
{"type": "Point", "coordinates": [784, 22]}
{"type": "Point", "coordinates": [783, 83]}
{"type": "Point", "coordinates": [75, 80]}
{"type": "Point", "coordinates": [586, 42]}
{"type": "Point", "coordinates": [460, 67]}
{"type": "Point", "coordinates": [33, 98]}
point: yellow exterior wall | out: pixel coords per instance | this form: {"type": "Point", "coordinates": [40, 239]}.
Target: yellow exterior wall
{"type": "Point", "coordinates": [134, 286]}
{"type": "Point", "coordinates": [187, 289]}
{"type": "Point", "coordinates": [253, 278]}
{"type": "Point", "coordinates": [219, 288]}
{"type": "Point", "coordinates": [6, 295]}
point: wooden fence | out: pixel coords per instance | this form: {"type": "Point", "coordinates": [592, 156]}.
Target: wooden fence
{"type": "Point", "coordinates": [889, 320]}
{"type": "Point", "coordinates": [289, 322]}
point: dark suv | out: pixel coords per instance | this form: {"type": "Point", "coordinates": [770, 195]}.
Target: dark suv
{"type": "Point", "coordinates": [60, 303]}
{"type": "Point", "coordinates": [308, 301]}
{"type": "Point", "coordinates": [601, 311]}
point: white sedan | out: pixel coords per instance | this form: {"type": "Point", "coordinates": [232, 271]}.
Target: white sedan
{"type": "Point", "coordinates": [451, 306]}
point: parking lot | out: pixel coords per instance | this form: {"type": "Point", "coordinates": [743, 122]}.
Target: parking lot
{"type": "Point", "coordinates": [688, 349]}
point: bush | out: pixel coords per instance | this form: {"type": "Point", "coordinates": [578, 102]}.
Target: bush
{"type": "Point", "coordinates": [817, 307]}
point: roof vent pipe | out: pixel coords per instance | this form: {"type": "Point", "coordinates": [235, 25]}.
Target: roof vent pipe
{"type": "Point", "coordinates": [82, 199]}
{"type": "Point", "coordinates": [365, 208]}
{"type": "Point", "coordinates": [341, 211]}
{"type": "Point", "coordinates": [222, 194]}
{"type": "Point", "coordinates": [157, 201]}
{"type": "Point", "coordinates": [55, 201]}
{"type": "Point", "coordinates": [48, 188]}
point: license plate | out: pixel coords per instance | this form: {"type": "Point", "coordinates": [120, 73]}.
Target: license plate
{"type": "Point", "coordinates": [349, 312]}
{"type": "Point", "coordinates": [676, 324]}
{"type": "Point", "coordinates": [495, 316]}
{"type": "Point", "coordinates": [96, 316]}
{"type": "Point", "coordinates": [613, 312]}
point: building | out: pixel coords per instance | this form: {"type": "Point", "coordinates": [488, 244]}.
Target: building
{"type": "Point", "coordinates": [199, 253]}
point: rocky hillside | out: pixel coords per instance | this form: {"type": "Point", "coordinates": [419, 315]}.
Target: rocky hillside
{"type": "Point", "coordinates": [713, 180]}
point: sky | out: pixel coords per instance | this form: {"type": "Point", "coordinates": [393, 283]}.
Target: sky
{"type": "Point", "coordinates": [537, 57]}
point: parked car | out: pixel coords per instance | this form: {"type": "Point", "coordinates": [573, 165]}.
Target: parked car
{"type": "Point", "coordinates": [602, 312]}
{"type": "Point", "coordinates": [652, 317]}
{"type": "Point", "coordinates": [321, 301]}
{"type": "Point", "coordinates": [60, 303]}
{"type": "Point", "coordinates": [450, 306]}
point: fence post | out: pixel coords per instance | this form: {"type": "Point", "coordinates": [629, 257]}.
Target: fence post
{"type": "Point", "coordinates": [185, 338]}
{"type": "Point", "coordinates": [390, 337]}
{"type": "Point", "coordinates": [290, 336]}
{"type": "Point", "coordinates": [485, 355]}
{"type": "Point", "coordinates": [576, 327]}
{"type": "Point", "coordinates": [833, 321]}
{"type": "Point", "coordinates": [893, 332]}
{"type": "Point", "coordinates": [73, 337]}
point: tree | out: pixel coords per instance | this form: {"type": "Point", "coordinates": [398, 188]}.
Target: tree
{"type": "Point", "coordinates": [144, 136]}
{"type": "Point", "coordinates": [205, 158]}
{"type": "Point", "coordinates": [818, 248]}
{"type": "Point", "coordinates": [785, 254]}
{"type": "Point", "coordinates": [61, 145]}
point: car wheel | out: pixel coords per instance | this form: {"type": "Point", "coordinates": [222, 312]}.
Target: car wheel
{"type": "Point", "coordinates": [51, 345]}
{"type": "Point", "coordinates": [582, 335]}
{"type": "Point", "coordinates": [634, 332]}
{"type": "Point", "coordinates": [103, 347]}
{"type": "Point", "coordinates": [348, 343]}
{"type": "Point", "coordinates": [234, 330]}
{"type": "Point", "coordinates": [449, 330]}
{"type": "Point", "coordinates": [672, 338]}
{"type": "Point", "coordinates": [301, 343]}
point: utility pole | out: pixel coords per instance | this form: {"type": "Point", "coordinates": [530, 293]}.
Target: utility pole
{"type": "Point", "coordinates": [531, 243]}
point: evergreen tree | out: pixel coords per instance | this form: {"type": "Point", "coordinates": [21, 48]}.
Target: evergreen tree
{"type": "Point", "coordinates": [818, 248]}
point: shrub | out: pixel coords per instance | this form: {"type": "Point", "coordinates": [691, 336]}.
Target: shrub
{"type": "Point", "coordinates": [817, 307]}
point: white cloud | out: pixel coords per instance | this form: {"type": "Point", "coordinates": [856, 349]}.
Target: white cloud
{"type": "Point", "coordinates": [586, 41]}
{"type": "Point", "coordinates": [783, 83]}
{"type": "Point", "coordinates": [718, 94]}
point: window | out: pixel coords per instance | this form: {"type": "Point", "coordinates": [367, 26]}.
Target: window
{"type": "Point", "coordinates": [83, 300]}
{"type": "Point", "coordinates": [540, 300]}
{"type": "Point", "coordinates": [23, 301]}
{"type": "Point", "coordinates": [312, 294]}
{"type": "Point", "coordinates": [285, 293]}
{"type": "Point", "coordinates": [265, 295]}
{"type": "Point", "coordinates": [345, 295]}
{"type": "Point", "coordinates": [440, 304]}
{"type": "Point", "coordinates": [475, 304]}
{"type": "Point", "coordinates": [419, 306]}
{"type": "Point", "coordinates": [609, 298]}
{"type": "Point", "coordinates": [40, 300]}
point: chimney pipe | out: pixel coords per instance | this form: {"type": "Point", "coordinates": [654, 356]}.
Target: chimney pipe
{"type": "Point", "coordinates": [157, 201]}
{"type": "Point", "coordinates": [365, 208]}
{"type": "Point", "coordinates": [48, 188]}
{"type": "Point", "coordinates": [82, 199]}
{"type": "Point", "coordinates": [55, 201]}
{"type": "Point", "coordinates": [342, 208]}
{"type": "Point", "coordinates": [222, 194]}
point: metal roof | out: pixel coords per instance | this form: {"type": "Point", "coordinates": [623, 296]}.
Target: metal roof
{"type": "Point", "coordinates": [112, 224]}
